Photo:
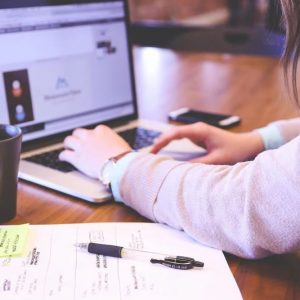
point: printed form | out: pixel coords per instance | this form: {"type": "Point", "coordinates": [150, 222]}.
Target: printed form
{"type": "Point", "coordinates": [53, 268]}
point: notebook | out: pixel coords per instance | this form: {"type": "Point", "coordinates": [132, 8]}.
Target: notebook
{"type": "Point", "coordinates": [67, 64]}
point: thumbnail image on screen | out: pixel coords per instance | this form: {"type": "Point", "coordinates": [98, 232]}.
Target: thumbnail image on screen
{"type": "Point", "coordinates": [18, 96]}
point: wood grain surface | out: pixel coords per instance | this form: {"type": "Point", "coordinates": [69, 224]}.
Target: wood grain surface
{"type": "Point", "coordinates": [250, 87]}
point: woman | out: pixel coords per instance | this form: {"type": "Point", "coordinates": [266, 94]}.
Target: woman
{"type": "Point", "coordinates": [248, 208]}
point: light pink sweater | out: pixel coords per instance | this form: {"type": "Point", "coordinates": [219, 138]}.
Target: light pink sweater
{"type": "Point", "coordinates": [251, 209]}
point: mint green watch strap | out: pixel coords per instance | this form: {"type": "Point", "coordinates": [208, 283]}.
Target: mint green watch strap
{"type": "Point", "coordinates": [271, 136]}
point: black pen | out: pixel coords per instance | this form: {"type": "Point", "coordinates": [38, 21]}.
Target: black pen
{"type": "Point", "coordinates": [174, 262]}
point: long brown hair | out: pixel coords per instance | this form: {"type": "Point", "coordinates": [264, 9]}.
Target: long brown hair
{"type": "Point", "coordinates": [291, 12]}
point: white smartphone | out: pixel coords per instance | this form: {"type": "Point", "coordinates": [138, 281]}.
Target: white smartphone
{"type": "Point", "coordinates": [187, 115]}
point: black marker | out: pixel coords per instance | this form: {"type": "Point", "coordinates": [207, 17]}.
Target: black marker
{"type": "Point", "coordinates": [174, 262]}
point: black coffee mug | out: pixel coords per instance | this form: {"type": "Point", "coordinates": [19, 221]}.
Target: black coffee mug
{"type": "Point", "coordinates": [10, 151]}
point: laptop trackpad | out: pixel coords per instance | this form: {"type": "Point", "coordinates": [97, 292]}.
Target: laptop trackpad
{"type": "Point", "coordinates": [183, 150]}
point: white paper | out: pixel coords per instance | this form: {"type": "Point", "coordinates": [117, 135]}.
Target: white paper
{"type": "Point", "coordinates": [53, 268]}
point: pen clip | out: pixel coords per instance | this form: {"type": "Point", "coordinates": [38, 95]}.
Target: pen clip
{"type": "Point", "coordinates": [178, 262]}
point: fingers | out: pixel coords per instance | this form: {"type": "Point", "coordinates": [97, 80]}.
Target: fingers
{"type": "Point", "coordinates": [72, 143]}
{"type": "Point", "coordinates": [170, 135]}
{"type": "Point", "coordinates": [195, 132]}
{"type": "Point", "coordinates": [68, 156]}
{"type": "Point", "coordinates": [80, 133]}
{"type": "Point", "coordinates": [161, 142]}
{"type": "Point", "coordinates": [102, 128]}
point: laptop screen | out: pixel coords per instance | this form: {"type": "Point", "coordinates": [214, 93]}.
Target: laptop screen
{"type": "Point", "coordinates": [63, 65]}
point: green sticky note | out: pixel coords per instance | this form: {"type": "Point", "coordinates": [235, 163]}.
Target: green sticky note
{"type": "Point", "coordinates": [13, 240]}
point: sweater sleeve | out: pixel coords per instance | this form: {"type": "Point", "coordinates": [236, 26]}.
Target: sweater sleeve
{"type": "Point", "coordinates": [250, 209]}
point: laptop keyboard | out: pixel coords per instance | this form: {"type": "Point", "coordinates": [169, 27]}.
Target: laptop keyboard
{"type": "Point", "coordinates": [137, 138]}
{"type": "Point", "coordinates": [50, 159]}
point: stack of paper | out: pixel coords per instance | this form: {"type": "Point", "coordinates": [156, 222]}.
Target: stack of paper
{"type": "Point", "coordinates": [51, 267]}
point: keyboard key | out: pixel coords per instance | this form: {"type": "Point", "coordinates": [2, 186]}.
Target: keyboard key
{"type": "Point", "coordinates": [50, 159]}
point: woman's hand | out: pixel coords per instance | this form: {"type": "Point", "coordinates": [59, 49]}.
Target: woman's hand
{"type": "Point", "coordinates": [223, 147]}
{"type": "Point", "coordinates": [87, 149]}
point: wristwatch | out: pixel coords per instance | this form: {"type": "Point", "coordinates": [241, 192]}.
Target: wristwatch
{"type": "Point", "coordinates": [105, 174]}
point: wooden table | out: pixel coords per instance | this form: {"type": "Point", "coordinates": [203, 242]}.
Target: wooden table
{"type": "Point", "coordinates": [248, 86]}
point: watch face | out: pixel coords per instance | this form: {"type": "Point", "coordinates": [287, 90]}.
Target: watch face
{"type": "Point", "coordinates": [106, 172]}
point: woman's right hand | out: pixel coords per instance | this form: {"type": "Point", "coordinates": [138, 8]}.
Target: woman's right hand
{"type": "Point", "coordinates": [223, 147]}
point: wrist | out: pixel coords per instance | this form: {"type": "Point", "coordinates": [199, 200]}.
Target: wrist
{"type": "Point", "coordinates": [255, 142]}
{"type": "Point", "coordinates": [106, 171]}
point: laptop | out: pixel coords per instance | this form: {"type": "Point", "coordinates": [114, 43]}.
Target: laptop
{"type": "Point", "coordinates": [67, 64]}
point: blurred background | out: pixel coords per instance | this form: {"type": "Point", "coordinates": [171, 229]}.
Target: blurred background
{"type": "Point", "coordinates": [234, 26]}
